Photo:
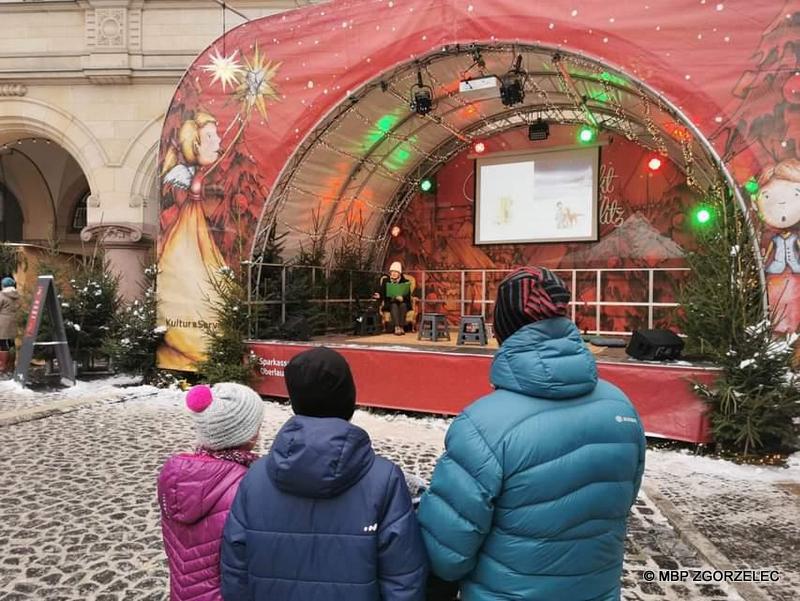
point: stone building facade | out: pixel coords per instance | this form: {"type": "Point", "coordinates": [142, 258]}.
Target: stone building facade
{"type": "Point", "coordinates": [84, 86]}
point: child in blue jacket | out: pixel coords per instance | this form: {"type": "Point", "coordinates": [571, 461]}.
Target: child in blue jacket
{"type": "Point", "coordinates": [322, 517]}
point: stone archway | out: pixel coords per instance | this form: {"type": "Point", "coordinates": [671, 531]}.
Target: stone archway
{"type": "Point", "coordinates": [29, 118]}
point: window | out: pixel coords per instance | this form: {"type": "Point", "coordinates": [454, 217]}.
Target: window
{"type": "Point", "coordinates": [79, 214]}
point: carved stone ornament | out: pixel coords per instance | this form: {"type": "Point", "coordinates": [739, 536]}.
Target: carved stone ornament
{"type": "Point", "coordinates": [112, 233]}
{"type": "Point", "coordinates": [106, 28]}
{"type": "Point", "coordinates": [13, 89]}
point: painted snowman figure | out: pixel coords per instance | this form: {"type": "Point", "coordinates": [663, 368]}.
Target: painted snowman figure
{"type": "Point", "coordinates": [778, 206]}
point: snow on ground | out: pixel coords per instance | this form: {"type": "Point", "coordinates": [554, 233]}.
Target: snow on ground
{"type": "Point", "coordinates": [685, 463]}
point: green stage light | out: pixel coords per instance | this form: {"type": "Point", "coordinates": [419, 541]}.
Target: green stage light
{"type": "Point", "coordinates": [751, 186]}
{"type": "Point", "coordinates": [427, 185]}
{"type": "Point", "coordinates": [702, 216]}
{"type": "Point", "coordinates": [586, 134]}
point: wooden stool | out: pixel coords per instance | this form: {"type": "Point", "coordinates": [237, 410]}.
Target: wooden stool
{"type": "Point", "coordinates": [471, 328]}
{"type": "Point", "coordinates": [433, 326]}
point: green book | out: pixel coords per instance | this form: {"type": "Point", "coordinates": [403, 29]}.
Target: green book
{"type": "Point", "coordinates": [398, 289]}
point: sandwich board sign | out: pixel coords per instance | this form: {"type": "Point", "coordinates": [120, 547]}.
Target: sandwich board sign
{"type": "Point", "coordinates": [45, 299]}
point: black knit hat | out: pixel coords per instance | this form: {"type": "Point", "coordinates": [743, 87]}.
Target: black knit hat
{"type": "Point", "coordinates": [529, 294]}
{"type": "Point", "coordinates": [320, 384]}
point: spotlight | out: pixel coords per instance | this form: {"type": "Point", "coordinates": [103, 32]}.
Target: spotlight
{"type": "Point", "coordinates": [751, 186]}
{"type": "Point", "coordinates": [702, 216]}
{"type": "Point", "coordinates": [479, 147]}
{"type": "Point", "coordinates": [538, 131]}
{"type": "Point", "coordinates": [427, 185]}
{"type": "Point", "coordinates": [654, 164]}
{"type": "Point", "coordinates": [395, 231]}
{"type": "Point", "coordinates": [512, 84]}
{"type": "Point", "coordinates": [421, 96]}
{"type": "Point", "coordinates": [586, 134]}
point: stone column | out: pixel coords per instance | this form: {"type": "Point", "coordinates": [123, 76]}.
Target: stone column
{"type": "Point", "coordinates": [127, 251]}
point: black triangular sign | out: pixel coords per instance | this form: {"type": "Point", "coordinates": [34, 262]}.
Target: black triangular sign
{"type": "Point", "coordinates": [45, 299]}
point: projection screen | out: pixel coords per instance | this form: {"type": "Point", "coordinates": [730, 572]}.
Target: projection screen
{"type": "Point", "coordinates": [548, 196]}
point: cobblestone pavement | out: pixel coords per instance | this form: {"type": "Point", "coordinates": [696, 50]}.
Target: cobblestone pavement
{"type": "Point", "coordinates": [751, 515]}
{"type": "Point", "coordinates": [79, 521]}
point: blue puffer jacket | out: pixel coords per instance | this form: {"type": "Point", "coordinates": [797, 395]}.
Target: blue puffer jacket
{"type": "Point", "coordinates": [322, 518]}
{"type": "Point", "coordinates": [531, 497]}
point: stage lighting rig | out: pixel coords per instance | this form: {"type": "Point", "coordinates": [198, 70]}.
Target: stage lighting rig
{"type": "Point", "coordinates": [538, 131]}
{"type": "Point", "coordinates": [512, 84]}
{"type": "Point", "coordinates": [421, 96]}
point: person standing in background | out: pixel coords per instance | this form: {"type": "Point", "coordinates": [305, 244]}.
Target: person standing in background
{"type": "Point", "coordinates": [9, 310]}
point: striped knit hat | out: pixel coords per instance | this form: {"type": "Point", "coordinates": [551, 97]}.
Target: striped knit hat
{"type": "Point", "coordinates": [529, 294]}
{"type": "Point", "coordinates": [226, 416]}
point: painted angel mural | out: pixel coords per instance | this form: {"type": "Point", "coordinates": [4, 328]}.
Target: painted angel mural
{"type": "Point", "coordinates": [205, 174]}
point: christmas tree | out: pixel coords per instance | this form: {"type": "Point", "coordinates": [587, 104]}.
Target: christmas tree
{"type": "Point", "coordinates": [227, 355]}
{"type": "Point", "coordinates": [135, 335]}
{"type": "Point", "coordinates": [754, 403]}
{"type": "Point", "coordinates": [770, 109]}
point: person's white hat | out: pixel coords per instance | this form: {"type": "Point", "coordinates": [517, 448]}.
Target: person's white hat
{"type": "Point", "coordinates": [396, 266]}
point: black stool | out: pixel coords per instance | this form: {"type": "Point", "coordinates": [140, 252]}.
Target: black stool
{"type": "Point", "coordinates": [436, 327]}
{"type": "Point", "coordinates": [368, 323]}
{"type": "Point", "coordinates": [472, 328]}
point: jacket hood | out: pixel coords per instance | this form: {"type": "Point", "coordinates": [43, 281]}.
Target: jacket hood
{"type": "Point", "coordinates": [545, 359]}
{"type": "Point", "coordinates": [192, 485]}
{"type": "Point", "coordinates": [319, 457]}
{"type": "Point", "coordinates": [11, 293]}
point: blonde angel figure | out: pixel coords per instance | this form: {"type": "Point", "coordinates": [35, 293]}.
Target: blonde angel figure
{"type": "Point", "coordinates": [188, 256]}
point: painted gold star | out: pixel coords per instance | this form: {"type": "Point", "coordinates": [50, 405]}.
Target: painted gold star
{"type": "Point", "coordinates": [225, 69]}
{"type": "Point", "coordinates": [256, 86]}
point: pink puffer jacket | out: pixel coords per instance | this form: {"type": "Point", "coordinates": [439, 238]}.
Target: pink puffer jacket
{"type": "Point", "coordinates": [195, 492]}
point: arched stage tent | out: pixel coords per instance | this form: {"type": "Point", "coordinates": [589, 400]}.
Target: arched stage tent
{"type": "Point", "coordinates": [301, 123]}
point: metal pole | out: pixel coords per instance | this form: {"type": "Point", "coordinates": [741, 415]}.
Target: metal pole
{"type": "Point", "coordinates": [649, 299]}
{"type": "Point", "coordinates": [597, 301]}
{"type": "Point", "coordinates": [250, 300]}
{"type": "Point", "coordinates": [483, 293]}
{"type": "Point", "coordinates": [463, 292]}
{"type": "Point", "coordinates": [574, 293]}
{"type": "Point", "coordinates": [422, 291]}
{"type": "Point", "coordinates": [283, 293]}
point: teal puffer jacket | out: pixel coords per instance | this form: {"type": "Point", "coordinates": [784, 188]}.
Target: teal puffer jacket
{"type": "Point", "coordinates": [531, 497]}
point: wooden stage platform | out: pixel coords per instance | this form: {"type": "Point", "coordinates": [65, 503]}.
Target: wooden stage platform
{"type": "Point", "coordinates": [401, 372]}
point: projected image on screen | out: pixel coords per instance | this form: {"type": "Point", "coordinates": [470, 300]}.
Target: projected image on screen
{"type": "Point", "coordinates": [541, 197]}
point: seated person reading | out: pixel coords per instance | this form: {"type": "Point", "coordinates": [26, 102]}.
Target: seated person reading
{"type": "Point", "coordinates": [395, 292]}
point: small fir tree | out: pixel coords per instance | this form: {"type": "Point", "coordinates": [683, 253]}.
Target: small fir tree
{"type": "Point", "coordinates": [227, 357]}
{"type": "Point", "coordinates": [754, 404]}
{"type": "Point", "coordinates": [136, 335]}
{"type": "Point", "coordinates": [265, 282]}
{"type": "Point", "coordinates": [90, 309]}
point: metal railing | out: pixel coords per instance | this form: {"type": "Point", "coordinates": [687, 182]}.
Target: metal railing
{"type": "Point", "coordinates": [459, 291]}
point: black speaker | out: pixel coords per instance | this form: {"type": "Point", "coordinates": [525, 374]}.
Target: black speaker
{"type": "Point", "coordinates": [655, 345]}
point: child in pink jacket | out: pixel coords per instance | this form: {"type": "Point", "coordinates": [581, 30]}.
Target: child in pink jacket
{"type": "Point", "coordinates": [195, 490]}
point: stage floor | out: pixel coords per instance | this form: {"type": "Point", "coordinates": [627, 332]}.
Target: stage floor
{"type": "Point", "coordinates": [409, 341]}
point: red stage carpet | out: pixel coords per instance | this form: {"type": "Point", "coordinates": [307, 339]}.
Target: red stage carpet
{"type": "Point", "coordinates": [444, 382]}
